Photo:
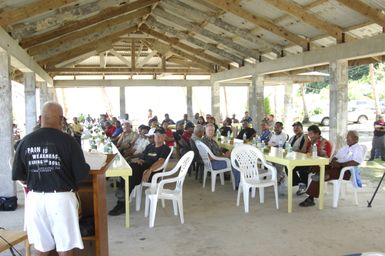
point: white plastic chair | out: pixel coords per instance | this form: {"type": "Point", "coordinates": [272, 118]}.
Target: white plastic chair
{"type": "Point", "coordinates": [137, 192]}
{"type": "Point", "coordinates": [157, 191]}
{"type": "Point", "coordinates": [206, 155]}
{"type": "Point", "coordinates": [252, 165]}
{"type": "Point", "coordinates": [337, 184]}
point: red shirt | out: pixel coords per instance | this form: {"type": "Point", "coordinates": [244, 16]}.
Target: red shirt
{"type": "Point", "coordinates": [110, 130]}
{"type": "Point", "coordinates": [170, 135]}
{"type": "Point", "coordinates": [324, 147]}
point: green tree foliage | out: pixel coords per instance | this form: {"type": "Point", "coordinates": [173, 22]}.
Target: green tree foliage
{"type": "Point", "coordinates": [266, 104]}
{"type": "Point", "coordinates": [354, 74]}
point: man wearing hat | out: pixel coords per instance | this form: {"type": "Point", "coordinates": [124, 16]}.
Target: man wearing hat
{"type": "Point", "coordinates": [143, 168]}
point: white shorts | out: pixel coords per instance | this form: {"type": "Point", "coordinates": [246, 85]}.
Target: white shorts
{"type": "Point", "coordinates": [52, 221]}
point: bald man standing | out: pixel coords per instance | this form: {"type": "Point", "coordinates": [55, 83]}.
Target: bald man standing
{"type": "Point", "coordinates": [51, 163]}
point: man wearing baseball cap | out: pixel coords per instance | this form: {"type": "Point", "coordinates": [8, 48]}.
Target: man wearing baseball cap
{"type": "Point", "coordinates": [143, 168]}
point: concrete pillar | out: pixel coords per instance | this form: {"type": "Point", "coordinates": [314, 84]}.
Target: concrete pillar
{"type": "Point", "coordinates": [260, 101]}
{"type": "Point", "coordinates": [52, 94]}
{"type": "Point", "coordinates": [30, 101]}
{"type": "Point", "coordinates": [189, 102]}
{"type": "Point", "coordinates": [215, 101]}
{"type": "Point", "coordinates": [338, 102]}
{"type": "Point", "coordinates": [43, 93]}
{"type": "Point", "coordinates": [122, 96]}
{"type": "Point", "coordinates": [7, 186]}
{"type": "Point", "coordinates": [253, 100]}
{"type": "Point", "coordinates": [288, 105]}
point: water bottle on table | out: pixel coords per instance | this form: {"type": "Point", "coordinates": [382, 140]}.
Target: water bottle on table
{"type": "Point", "coordinates": [314, 151]}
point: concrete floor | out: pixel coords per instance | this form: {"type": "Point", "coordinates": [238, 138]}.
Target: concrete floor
{"type": "Point", "coordinates": [214, 225]}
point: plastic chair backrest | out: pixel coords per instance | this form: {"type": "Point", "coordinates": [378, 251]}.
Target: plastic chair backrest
{"type": "Point", "coordinates": [246, 159]}
{"type": "Point", "coordinates": [204, 152]}
{"type": "Point", "coordinates": [183, 164]}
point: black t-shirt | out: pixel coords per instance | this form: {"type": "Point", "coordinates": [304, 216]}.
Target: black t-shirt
{"type": "Point", "coordinates": [49, 160]}
{"type": "Point", "coordinates": [249, 133]}
{"type": "Point", "coordinates": [151, 154]}
{"type": "Point", "coordinates": [224, 130]}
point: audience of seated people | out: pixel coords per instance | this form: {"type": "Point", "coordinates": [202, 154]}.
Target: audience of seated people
{"type": "Point", "coordinates": [143, 168]}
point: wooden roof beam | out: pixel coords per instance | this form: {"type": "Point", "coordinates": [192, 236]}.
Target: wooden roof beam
{"type": "Point", "coordinates": [245, 52]}
{"type": "Point", "coordinates": [30, 10]}
{"type": "Point", "coordinates": [69, 27]}
{"type": "Point", "coordinates": [164, 48]}
{"type": "Point", "coordinates": [267, 25]}
{"type": "Point", "coordinates": [120, 57]}
{"type": "Point", "coordinates": [87, 34]}
{"type": "Point", "coordinates": [187, 10]}
{"type": "Point", "coordinates": [153, 23]}
{"type": "Point", "coordinates": [177, 43]}
{"type": "Point", "coordinates": [375, 15]}
{"type": "Point", "coordinates": [100, 45]}
{"type": "Point", "coordinates": [299, 12]}
{"type": "Point", "coordinates": [128, 71]}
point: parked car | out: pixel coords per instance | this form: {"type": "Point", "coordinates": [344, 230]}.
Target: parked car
{"type": "Point", "coordinates": [359, 111]}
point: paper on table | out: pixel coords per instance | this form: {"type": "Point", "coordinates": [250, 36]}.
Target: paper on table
{"type": "Point", "coordinates": [96, 160]}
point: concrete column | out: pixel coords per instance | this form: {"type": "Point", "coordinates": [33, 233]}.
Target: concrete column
{"type": "Point", "coordinates": [43, 93]}
{"type": "Point", "coordinates": [30, 101]}
{"type": "Point", "coordinates": [338, 102]}
{"type": "Point", "coordinates": [215, 101]}
{"type": "Point", "coordinates": [52, 94]}
{"type": "Point", "coordinates": [189, 102]}
{"type": "Point", "coordinates": [260, 87]}
{"type": "Point", "coordinates": [253, 100]}
{"type": "Point", "coordinates": [7, 186]}
{"type": "Point", "coordinates": [288, 105]}
{"type": "Point", "coordinates": [122, 96]}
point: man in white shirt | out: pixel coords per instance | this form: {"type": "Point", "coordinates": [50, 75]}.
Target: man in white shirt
{"type": "Point", "coordinates": [278, 136]}
{"type": "Point", "coordinates": [350, 155]}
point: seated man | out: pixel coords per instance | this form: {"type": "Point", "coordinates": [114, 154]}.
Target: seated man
{"type": "Point", "coordinates": [139, 144]}
{"type": "Point", "coordinates": [184, 141]}
{"type": "Point", "coordinates": [265, 132]}
{"type": "Point", "coordinates": [117, 132]}
{"type": "Point", "coordinates": [278, 138]}
{"type": "Point", "coordinates": [126, 139]}
{"type": "Point", "coordinates": [226, 128]}
{"type": "Point", "coordinates": [324, 149]}
{"type": "Point", "coordinates": [168, 119]}
{"type": "Point", "coordinates": [209, 140]}
{"type": "Point", "coordinates": [350, 155]}
{"type": "Point", "coordinates": [298, 143]}
{"type": "Point", "coordinates": [109, 128]}
{"type": "Point", "coordinates": [143, 168]}
{"type": "Point", "coordinates": [250, 132]}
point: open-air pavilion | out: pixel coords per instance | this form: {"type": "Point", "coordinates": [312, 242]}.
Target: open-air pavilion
{"type": "Point", "coordinates": [233, 42]}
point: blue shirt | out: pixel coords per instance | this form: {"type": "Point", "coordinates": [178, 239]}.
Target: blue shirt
{"type": "Point", "coordinates": [117, 132]}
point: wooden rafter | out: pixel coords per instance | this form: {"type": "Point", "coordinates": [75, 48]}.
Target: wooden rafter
{"type": "Point", "coordinates": [375, 15]}
{"type": "Point", "coordinates": [305, 7]}
{"type": "Point", "coordinates": [245, 52]}
{"type": "Point", "coordinates": [299, 12]}
{"type": "Point", "coordinates": [76, 25]}
{"type": "Point", "coordinates": [88, 33]}
{"type": "Point", "coordinates": [100, 45]}
{"type": "Point", "coordinates": [177, 43]}
{"type": "Point", "coordinates": [33, 9]}
{"type": "Point", "coordinates": [160, 47]}
{"type": "Point", "coordinates": [204, 45]}
{"type": "Point", "coordinates": [120, 57]}
{"type": "Point", "coordinates": [183, 9]}
{"type": "Point", "coordinates": [236, 9]}
{"type": "Point", "coordinates": [96, 70]}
